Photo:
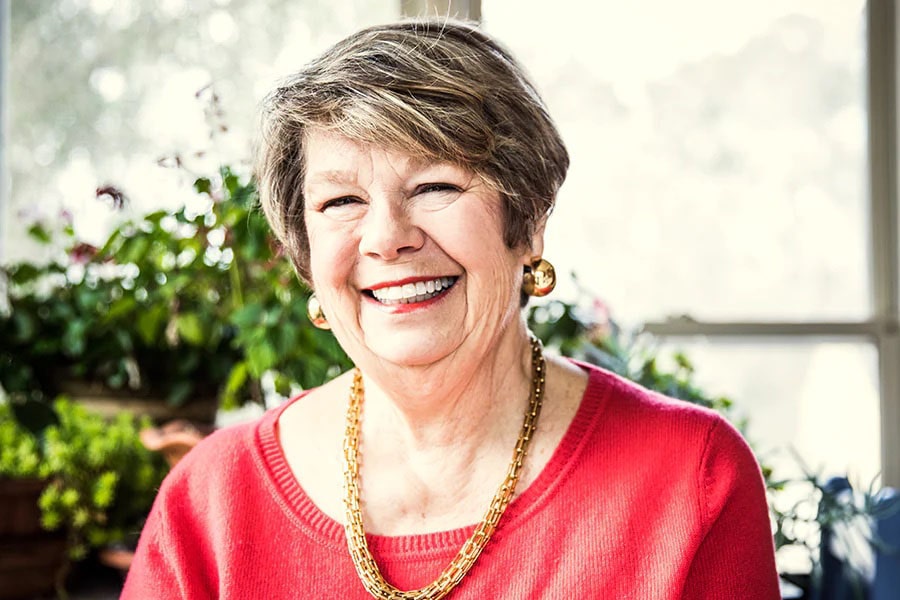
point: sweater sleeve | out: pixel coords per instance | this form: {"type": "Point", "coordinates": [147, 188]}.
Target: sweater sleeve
{"type": "Point", "coordinates": [736, 557]}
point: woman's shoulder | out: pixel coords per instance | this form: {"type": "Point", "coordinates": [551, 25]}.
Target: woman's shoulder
{"type": "Point", "coordinates": [217, 461]}
{"type": "Point", "coordinates": [645, 441]}
{"type": "Point", "coordinates": [635, 415]}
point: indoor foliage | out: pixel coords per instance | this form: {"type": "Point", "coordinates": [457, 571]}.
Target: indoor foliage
{"type": "Point", "coordinates": [180, 305]}
{"type": "Point", "coordinates": [100, 479]}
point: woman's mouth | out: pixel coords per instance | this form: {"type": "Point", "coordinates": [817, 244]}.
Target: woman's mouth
{"type": "Point", "coordinates": [411, 293]}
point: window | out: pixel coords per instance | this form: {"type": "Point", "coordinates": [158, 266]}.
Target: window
{"type": "Point", "coordinates": [102, 89]}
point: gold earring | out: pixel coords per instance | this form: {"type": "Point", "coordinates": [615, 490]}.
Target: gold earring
{"type": "Point", "coordinates": [315, 313]}
{"type": "Point", "coordinates": [540, 279]}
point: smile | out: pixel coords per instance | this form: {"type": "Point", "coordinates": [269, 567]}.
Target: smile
{"type": "Point", "coordinates": [410, 293]}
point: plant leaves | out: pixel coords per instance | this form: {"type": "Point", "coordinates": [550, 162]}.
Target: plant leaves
{"type": "Point", "coordinates": [202, 185]}
{"type": "Point", "coordinates": [38, 232]}
{"type": "Point", "coordinates": [190, 328]}
{"type": "Point", "coordinates": [35, 416]}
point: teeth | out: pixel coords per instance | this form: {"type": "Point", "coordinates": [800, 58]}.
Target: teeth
{"type": "Point", "coordinates": [413, 292]}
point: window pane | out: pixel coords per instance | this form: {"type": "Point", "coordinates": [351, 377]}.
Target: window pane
{"type": "Point", "coordinates": [101, 89]}
{"type": "Point", "coordinates": [820, 398]}
{"type": "Point", "coordinates": [718, 152]}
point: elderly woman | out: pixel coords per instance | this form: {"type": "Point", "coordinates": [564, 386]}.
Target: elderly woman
{"type": "Point", "coordinates": [409, 173]}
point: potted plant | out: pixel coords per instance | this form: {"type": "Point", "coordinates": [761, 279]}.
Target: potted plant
{"type": "Point", "coordinates": [179, 305]}
{"type": "Point", "coordinates": [84, 484]}
{"type": "Point", "coordinates": [31, 560]}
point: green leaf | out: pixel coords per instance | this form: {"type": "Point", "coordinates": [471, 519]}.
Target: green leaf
{"type": "Point", "coordinates": [35, 416]}
{"type": "Point", "coordinates": [73, 340]}
{"type": "Point", "coordinates": [248, 316]}
{"type": "Point", "coordinates": [133, 250]}
{"type": "Point", "coordinates": [112, 242]}
{"type": "Point", "coordinates": [120, 307]}
{"type": "Point", "coordinates": [39, 232]}
{"type": "Point", "coordinates": [230, 181]}
{"type": "Point", "coordinates": [104, 489]}
{"type": "Point", "coordinates": [156, 217]}
{"type": "Point", "coordinates": [190, 328]}
{"type": "Point", "coordinates": [151, 323]}
{"type": "Point", "coordinates": [260, 357]}
{"type": "Point", "coordinates": [24, 326]}
{"type": "Point", "coordinates": [244, 196]}
{"type": "Point", "coordinates": [24, 273]}
{"type": "Point", "coordinates": [202, 185]}
{"type": "Point", "coordinates": [236, 379]}
{"type": "Point", "coordinates": [180, 392]}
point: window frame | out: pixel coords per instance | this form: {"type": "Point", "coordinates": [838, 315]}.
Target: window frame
{"type": "Point", "coordinates": [5, 185]}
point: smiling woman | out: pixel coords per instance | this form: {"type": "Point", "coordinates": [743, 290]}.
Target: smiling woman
{"type": "Point", "coordinates": [409, 173]}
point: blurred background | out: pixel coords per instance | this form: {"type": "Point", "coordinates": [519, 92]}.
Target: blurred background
{"type": "Point", "coordinates": [732, 190]}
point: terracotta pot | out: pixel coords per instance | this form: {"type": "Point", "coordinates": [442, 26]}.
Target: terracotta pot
{"type": "Point", "coordinates": [174, 439]}
{"type": "Point", "coordinates": [32, 561]}
{"type": "Point", "coordinates": [116, 557]}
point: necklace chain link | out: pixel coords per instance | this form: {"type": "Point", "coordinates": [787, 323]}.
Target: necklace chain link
{"type": "Point", "coordinates": [362, 557]}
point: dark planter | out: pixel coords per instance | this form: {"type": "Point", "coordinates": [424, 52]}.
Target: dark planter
{"type": "Point", "coordinates": [32, 561]}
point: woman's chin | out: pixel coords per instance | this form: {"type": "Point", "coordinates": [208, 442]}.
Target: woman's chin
{"type": "Point", "coordinates": [408, 350]}
{"type": "Point", "coordinates": [408, 347]}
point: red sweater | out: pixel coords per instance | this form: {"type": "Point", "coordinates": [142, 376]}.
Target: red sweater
{"type": "Point", "coordinates": [644, 498]}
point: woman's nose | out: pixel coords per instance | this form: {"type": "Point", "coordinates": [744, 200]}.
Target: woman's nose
{"type": "Point", "coordinates": [388, 232]}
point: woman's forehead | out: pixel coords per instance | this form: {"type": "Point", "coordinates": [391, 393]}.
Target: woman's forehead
{"type": "Point", "coordinates": [333, 158]}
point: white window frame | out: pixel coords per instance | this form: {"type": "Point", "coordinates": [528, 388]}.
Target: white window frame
{"type": "Point", "coordinates": [4, 106]}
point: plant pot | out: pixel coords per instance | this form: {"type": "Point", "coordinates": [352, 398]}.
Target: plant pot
{"type": "Point", "coordinates": [19, 511]}
{"type": "Point", "coordinates": [117, 557]}
{"type": "Point", "coordinates": [30, 566]}
{"type": "Point", "coordinates": [32, 561]}
{"type": "Point", "coordinates": [174, 439]}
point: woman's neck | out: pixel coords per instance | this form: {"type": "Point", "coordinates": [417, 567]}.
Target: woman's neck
{"type": "Point", "coordinates": [465, 399]}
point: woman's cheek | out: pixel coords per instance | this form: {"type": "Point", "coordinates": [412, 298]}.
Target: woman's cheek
{"type": "Point", "coordinates": [332, 253]}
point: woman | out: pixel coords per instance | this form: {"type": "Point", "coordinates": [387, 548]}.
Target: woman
{"type": "Point", "coordinates": [409, 172]}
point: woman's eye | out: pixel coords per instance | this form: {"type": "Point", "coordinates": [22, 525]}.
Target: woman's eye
{"type": "Point", "coordinates": [338, 202]}
{"type": "Point", "coordinates": [437, 187]}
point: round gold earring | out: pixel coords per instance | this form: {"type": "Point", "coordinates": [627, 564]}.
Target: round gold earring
{"type": "Point", "coordinates": [315, 313]}
{"type": "Point", "coordinates": [540, 279]}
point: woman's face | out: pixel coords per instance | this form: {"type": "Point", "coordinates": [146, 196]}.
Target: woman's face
{"type": "Point", "coordinates": [407, 257]}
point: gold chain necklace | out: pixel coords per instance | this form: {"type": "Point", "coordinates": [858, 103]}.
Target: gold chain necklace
{"type": "Point", "coordinates": [362, 557]}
